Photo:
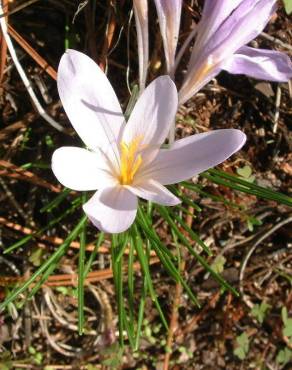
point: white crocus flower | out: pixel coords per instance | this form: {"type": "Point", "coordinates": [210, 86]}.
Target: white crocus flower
{"type": "Point", "coordinates": [122, 160]}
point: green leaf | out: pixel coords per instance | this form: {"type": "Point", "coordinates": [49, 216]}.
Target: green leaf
{"type": "Point", "coordinates": [63, 290]}
{"type": "Point", "coordinates": [49, 141]}
{"type": "Point", "coordinates": [284, 315]}
{"type": "Point", "coordinates": [287, 331]}
{"type": "Point", "coordinates": [6, 361]}
{"type": "Point", "coordinates": [244, 171]}
{"type": "Point", "coordinates": [242, 348]}
{"type": "Point", "coordinates": [288, 6]}
{"type": "Point", "coordinates": [36, 257]}
{"type": "Point", "coordinates": [239, 352]}
{"type": "Point", "coordinates": [284, 356]}
{"type": "Point", "coordinates": [259, 311]}
{"type": "Point", "coordinates": [218, 264]}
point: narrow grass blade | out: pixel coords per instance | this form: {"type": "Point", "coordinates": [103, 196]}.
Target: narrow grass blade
{"type": "Point", "coordinates": [145, 224]}
{"type": "Point", "coordinates": [200, 259]}
{"type": "Point", "coordinates": [145, 268]}
{"type": "Point", "coordinates": [185, 199]}
{"type": "Point", "coordinates": [56, 220]}
{"type": "Point", "coordinates": [44, 277]}
{"type": "Point", "coordinates": [141, 314]}
{"type": "Point", "coordinates": [165, 256]}
{"type": "Point", "coordinates": [192, 234]}
{"type": "Point", "coordinates": [80, 288]}
{"type": "Point", "coordinates": [174, 273]}
{"type": "Point", "coordinates": [118, 280]}
{"type": "Point", "coordinates": [54, 257]}
{"type": "Point", "coordinates": [216, 198]}
{"type": "Point", "coordinates": [122, 248]}
{"type": "Point", "coordinates": [234, 182]}
{"type": "Point", "coordinates": [93, 254]}
{"type": "Point", "coordinates": [56, 201]}
{"type": "Point", "coordinates": [131, 281]}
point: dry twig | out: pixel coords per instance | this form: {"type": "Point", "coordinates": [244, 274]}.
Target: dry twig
{"type": "Point", "coordinates": [23, 76]}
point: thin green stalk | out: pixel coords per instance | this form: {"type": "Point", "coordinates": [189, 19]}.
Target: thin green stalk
{"type": "Point", "coordinates": [80, 288]}
{"type": "Point", "coordinates": [121, 251]}
{"type": "Point", "coordinates": [216, 198]}
{"type": "Point", "coordinates": [145, 222]}
{"type": "Point", "coordinates": [201, 260]}
{"type": "Point", "coordinates": [174, 273]}
{"type": "Point", "coordinates": [56, 201]}
{"type": "Point", "coordinates": [237, 183]}
{"type": "Point", "coordinates": [141, 313]}
{"type": "Point", "coordinates": [118, 280]}
{"type": "Point", "coordinates": [93, 254]}
{"type": "Point", "coordinates": [193, 235]}
{"type": "Point", "coordinates": [44, 277]}
{"type": "Point", "coordinates": [184, 198]}
{"type": "Point", "coordinates": [165, 256]}
{"type": "Point", "coordinates": [136, 237]}
{"type": "Point", "coordinates": [131, 281]}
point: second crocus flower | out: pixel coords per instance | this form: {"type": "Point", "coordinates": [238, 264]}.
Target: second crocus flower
{"type": "Point", "coordinates": [224, 30]}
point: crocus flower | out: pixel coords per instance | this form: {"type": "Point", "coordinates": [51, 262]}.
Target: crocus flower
{"type": "Point", "coordinates": [124, 160]}
{"type": "Point", "coordinates": [141, 20]}
{"type": "Point", "coordinates": [169, 12]}
{"type": "Point", "coordinates": [225, 28]}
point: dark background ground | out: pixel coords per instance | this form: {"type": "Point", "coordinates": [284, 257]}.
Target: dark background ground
{"type": "Point", "coordinates": [256, 260]}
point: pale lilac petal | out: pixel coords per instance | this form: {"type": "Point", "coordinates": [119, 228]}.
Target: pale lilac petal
{"type": "Point", "coordinates": [197, 78]}
{"type": "Point", "coordinates": [214, 14]}
{"type": "Point", "coordinates": [112, 210]}
{"type": "Point", "coordinates": [169, 13]}
{"type": "Point", "coordinates": [141, 20]}
{"type": "Point", "coordinates": [211, 52]}
{"type": "Point", "coordinates": [153, 114]}
{"type": "Point", "coordinates": [155, 192]}
{"type": "Point", "coordinates": [89, 101]}
{"type": "Point", "coordinates": [193, 155]}
{"type": "Point", "coordinates": [244, 24]}
{"type": "Point", "coordinates": [261, 64]}
{"type": "Point", "coordinates": [80, 169]}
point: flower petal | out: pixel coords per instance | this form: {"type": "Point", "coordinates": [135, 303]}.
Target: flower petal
{"type": "Point", "coordinates": [169, 13]}
{"type": "Point", "coordinates": [244, 24]}
{"type": "Point", "coordinates": [112, 210]}
{"type": "Point", "coordinates": [153, 114]}
{"type": "Point", "coordinates": [81, 170]}
{"type": "Point", "coordinates": [260, 63]}
{"type": "Point", "coordinates": [155, 192]}
{"type": "Point", "coordinates": [213, 49]}
{"type": "Point", "coordinates": [89, 100]}
{"type": "Point", "coordinates": [141, 19]}
{"type": "Point", "coordinates": [214, 14]}
{"type": "Point", "coordinates": [197, 78]}
{"type": "Point", "coordinates": [193, 155]}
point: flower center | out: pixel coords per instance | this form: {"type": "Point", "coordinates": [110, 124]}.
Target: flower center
{"type": "Point", "coordinates": [130, 160]}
